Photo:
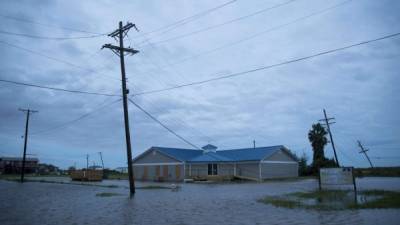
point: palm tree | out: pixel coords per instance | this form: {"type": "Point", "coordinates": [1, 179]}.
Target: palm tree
{"type": "Point", "coordinates": [318, 141]}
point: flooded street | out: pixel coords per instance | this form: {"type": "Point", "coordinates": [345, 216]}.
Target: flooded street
{"type": "Point", "coordinates": [234, 203]}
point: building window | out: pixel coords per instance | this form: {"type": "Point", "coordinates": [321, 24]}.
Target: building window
{"type": "Point", "coordinates": [212, 169]}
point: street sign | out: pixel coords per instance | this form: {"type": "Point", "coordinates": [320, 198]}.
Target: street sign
{"type": "Point", "coordinates": [336, 178]}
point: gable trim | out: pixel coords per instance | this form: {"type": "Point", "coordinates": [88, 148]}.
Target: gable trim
{"type": "Point", "coordinates": [158, 164]}
{"type": "Point", "coordinates": [153, 149]}
{"type": "Point", "coordinates": [285, 151]}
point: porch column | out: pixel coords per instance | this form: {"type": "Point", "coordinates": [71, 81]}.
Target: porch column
{"type": "Point", "coordinates": [184, 170]}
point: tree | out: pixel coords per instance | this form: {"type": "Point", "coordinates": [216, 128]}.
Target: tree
{"type": "Point", "coordinates": [317, 137]}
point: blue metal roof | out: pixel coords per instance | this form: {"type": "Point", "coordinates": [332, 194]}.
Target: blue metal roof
{"type": "Point", "coordinates": [235, 155]}
{"type": "Point", "coordinates": [210, 157]}
{"type": "Point", "coordinates": [180, 153]}
{"type": "Point", "coordinates": [250, 154]}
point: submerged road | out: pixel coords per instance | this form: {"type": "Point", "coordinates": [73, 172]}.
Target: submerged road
{"type": "Point", "coordinates": [235, 203]}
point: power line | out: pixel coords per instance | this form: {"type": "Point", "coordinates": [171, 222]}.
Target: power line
{"type": "Point", "coordinates": [178, 121]}
{"type": "Point", "coordinates": [385, 157]}
{"type": "Point", "coordinates": [186, 20]}
{"type": "Point", "coordinates": [103, 105]}
{"type": "Point", "coordinates": [50, 38]}
{"type": "Point", "coordinates": [55, 89]}
{"type": "Point", "coordinates": [57, 60]}
{"type": "Point", "coordinates": [222, 24]}
{"type": "Point", "coordinates": [48, 25]}
{"type": "Point", "coordinates": [259, 33]}
{"type": "Point", "coordinates": [159, 122]}
{"type": "Point", "coordinates": [270, 66]}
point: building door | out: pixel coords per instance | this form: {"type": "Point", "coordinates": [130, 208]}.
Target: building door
{"type": "Point", "coordinates": [212, 169]}
{"type": "Point", "coordinates": [157, 172]}
{"type": "Point", "coordinates": [165, 172]}
{"type": "Point", "coordinates": [178, 172]}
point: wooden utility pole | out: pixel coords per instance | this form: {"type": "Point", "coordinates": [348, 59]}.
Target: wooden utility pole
{"type": "Point", "coordinates": [121, 32]}
{"type": "Point", "coordinates": [363, 150]}
{"type": "Point", "coordinates": [101, 158]}
{"type": "Point", "coordinates": [327, 123]}
{"type": "Point", "coordinates": [28, 112]}
{"type": "Point", "coordinates": [254, 144]}
{"type": "Point", "coordinates": [87, 161]}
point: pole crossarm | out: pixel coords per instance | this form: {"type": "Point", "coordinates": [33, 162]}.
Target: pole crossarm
{"type": "Point", "coordinates": [119, 35]}
{"type": "Point", "coordinates": [124, 30]}
{"type": "Point", "coordinates": [28, 110]}
{"type": "Point", "coordinates": [117, 49]}
{"type": "Point", "coordinates": [364, 151]}
{"type": "Point", "coordinates": [327, 123]}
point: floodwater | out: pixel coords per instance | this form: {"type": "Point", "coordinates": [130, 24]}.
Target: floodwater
{"type": "Point", "coordinates": [234, 203]}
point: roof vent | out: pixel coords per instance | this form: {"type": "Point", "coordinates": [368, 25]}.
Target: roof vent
{"type": "Point", "coordinates": [209, 148]}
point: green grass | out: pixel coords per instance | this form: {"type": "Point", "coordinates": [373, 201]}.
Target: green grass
{"type": "Point", "coordinates": [335, 200]}
{"type": "Point", "coordinates": [323, 194]}
{"type": "Point", "coordinates": [107, 194]}
{"type": "Point", "coordinates": [387, 199]}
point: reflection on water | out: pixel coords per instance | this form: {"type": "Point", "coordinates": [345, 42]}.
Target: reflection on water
{"type": "Point", "coordinates": [42, 203]}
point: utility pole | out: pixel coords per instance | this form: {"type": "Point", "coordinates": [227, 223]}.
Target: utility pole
{"type": "Point", "coordinates": [28, 112]}
{"type": "Point", "coordinates": [121, 32]}
{"type": "Point", "coordinates": [87, 161]}
{"type": "Point", "coordinates": [327, 123]}
{"type": "Point", "coordinates": [101, 158]}
{"type": "Point", "coordinates": [254, 144]}
{"type": "Point", "coordinates": [363, 150]}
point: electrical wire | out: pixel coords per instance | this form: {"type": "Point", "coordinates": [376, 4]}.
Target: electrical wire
{"type": "Point", "coordinates": [221, 24]}
{"type": "Point", "coordinates": [50, 38]}
{"type": "Point", "coordinates": [55, 89]}
{"type": "Point", "coordinates": [178, 121]}
{"type": "Point", "coordinates": [48, 25]}
{"type": "Point", "coordinates": [268, 30]}
{"type": "Point", "coordinates": [186, 20]}
{"type": "Point", "coordinates": [270, 66]}
{"type": "Point", "coordinates": [103, 105]}
{"type": "Point", "coordinates": [58, 60]}
{"type": "Point", "coordinates": [163, 125]}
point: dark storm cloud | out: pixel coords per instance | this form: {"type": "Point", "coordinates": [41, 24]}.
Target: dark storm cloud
{"type": "Point", "coordinates": [276, 106]}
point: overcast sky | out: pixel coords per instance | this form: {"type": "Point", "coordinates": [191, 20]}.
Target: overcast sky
{"type": "Point", "coordinates": [277, 106]}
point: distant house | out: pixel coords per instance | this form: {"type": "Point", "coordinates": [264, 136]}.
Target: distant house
{"type": "Point", "coordinates": [14, 165]}
{"type": "Point", "coordinates": [46, 169]}
{"type": "Point", "coordinates": [175, 164]}
{"type": "Point", "coordinates": [122, 169]}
